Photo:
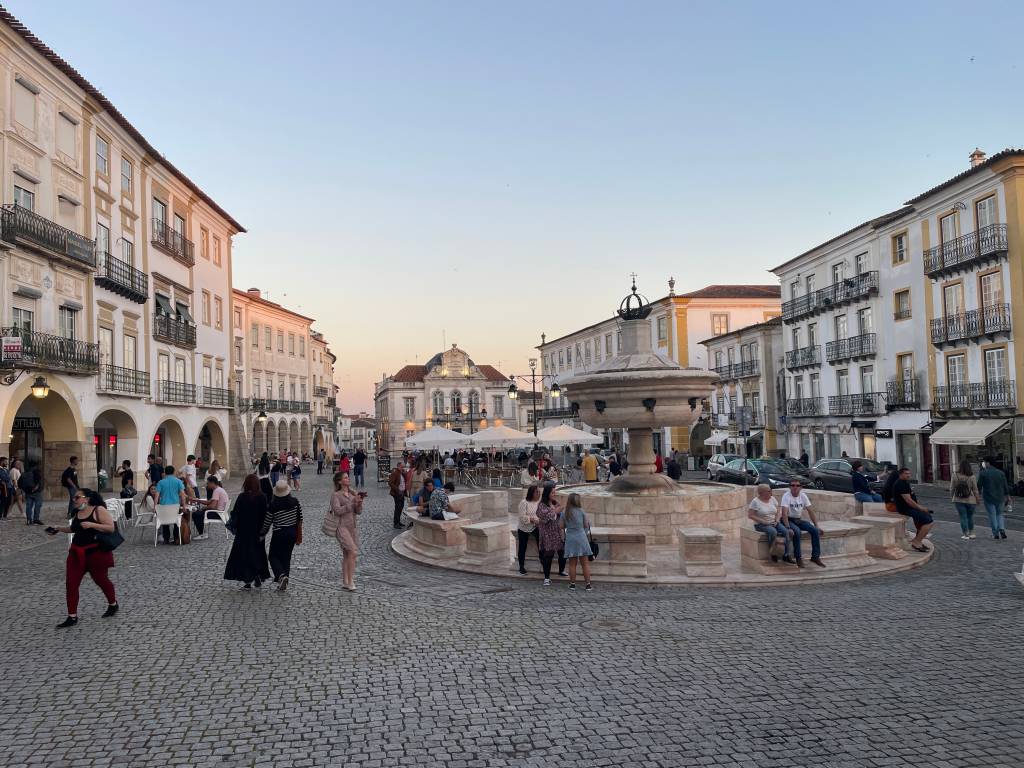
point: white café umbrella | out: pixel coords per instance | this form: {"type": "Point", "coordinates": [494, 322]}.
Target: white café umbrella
{"type": "Point", "coordinates": [500, 437]}
{"type": "Point", "coordinates": [437, 438]}
{"type": "Point", "coordinates": [564, 434]}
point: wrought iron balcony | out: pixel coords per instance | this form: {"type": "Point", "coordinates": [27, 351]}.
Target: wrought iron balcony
{"type": "Point", "coordinates": [903, 394]}
{"type": "Point", "coordinates": [742, 370]}
{"type": "Point", "coordinates": [217, 397]}
{"type": "Point", "coordinates": [125, 381]}
{"type": "Point", "coordinates": [177, 392]}
{"type": "Point", "coordinates": [987, 396]}
{"type": "Point", "coordinates": [975, 323]}
{"type": "Point", "coordinates": [321, 391]}
{"type": "Point", "coordinates": [332, 402]}
{"type": "Point", "coordinates": [173, 331]}
{"type": "Point", "coordinates": [852, 348]}
{"type": "Point", "coordinates": [54, 353]}
{"type": "Point", "coordinates": [865, 404]}
{"type": "Point", "coordinates": [173, 243]}
{"type": "Point", "coordinates": [803, 357]}
{"type": "Point", "coordinates": [831, 296]}
{"type": "Point", "coordinates": [297, 406]}
{"type": "Point", "coordinates": [122, 278]}
{"type": "Point", "coordinates": [804, 406]}
{"type": "Point", "coordinates": [967, 252]}
{"type": "Point", "coordinates": [24, 227]}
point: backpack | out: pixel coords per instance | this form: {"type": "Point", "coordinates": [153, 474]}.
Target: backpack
{"type": "Point", "coordinates": [961, 488]}
{"type": "Point", "coordinates": [27, 481]}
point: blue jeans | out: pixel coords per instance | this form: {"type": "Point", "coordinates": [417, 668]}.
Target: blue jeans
{"type": "Point", "coordinates": [771, 531]}
{"type": "Point", "coordinates": [996, 516]}
{"type": "Point", "coordinates": [966, 512]}
{"type": "Point", "coordinates": [357, 475]}
{"type": "Point", "coordinates": [864, 496]}
{"type": "Point", "coordinates": [33, 506]}
{"type": "Point", "coordinates": [799, 524]}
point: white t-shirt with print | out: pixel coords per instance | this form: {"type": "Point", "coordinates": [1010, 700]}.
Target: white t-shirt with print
{"type": "Point", "coordinates": [795, 505]}
{"type": "Point", "coordinates": [767, 511]}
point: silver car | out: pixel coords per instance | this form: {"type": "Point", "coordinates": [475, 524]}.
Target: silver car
{"type": "Point", "coordinates": [719, 460]}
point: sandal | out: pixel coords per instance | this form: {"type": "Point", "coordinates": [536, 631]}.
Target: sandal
{"type": "Point", "coordinates": [919, 549]}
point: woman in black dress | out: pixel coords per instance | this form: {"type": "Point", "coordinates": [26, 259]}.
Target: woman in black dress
{"type": "Point", "coordinates": [248, 559]}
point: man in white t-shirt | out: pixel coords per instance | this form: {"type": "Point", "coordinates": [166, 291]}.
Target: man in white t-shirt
{"type": "Point", "coordinates": [798, 516]}
{"type": "Point", "coordinates": [190, 475]}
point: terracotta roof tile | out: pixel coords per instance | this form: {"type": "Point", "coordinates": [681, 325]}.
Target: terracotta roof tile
{"type": "Point", "coordinates": [74, 76]}
{"type": "Point", "coordinates": [969, 172]}
{"type": "Point", "coordinates": [410, 374]}
{"type": "Point", "coordinates": [491, 373]}
{"type": "Point", "coordinates": [736, 292]}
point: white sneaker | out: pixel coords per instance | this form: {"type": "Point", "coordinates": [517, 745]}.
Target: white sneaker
{"type": "Point", "coordinates": [965, 537]}
{"type": "Point", "coordinates": [971, 535]}
{"type": "Point", "coordinates": [547, 582]}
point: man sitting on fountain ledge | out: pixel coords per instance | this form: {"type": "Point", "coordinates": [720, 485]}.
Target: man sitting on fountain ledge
{"type": "Point", "coordinates": [794, 504]}
{"type": "Point", "coordinates": [764, 511]}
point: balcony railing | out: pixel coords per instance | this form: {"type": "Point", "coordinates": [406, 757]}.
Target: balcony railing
{"type": "Point", "coordinates": [555, 413]}
{"type": "Point", "coordinates": [332, 402]}
{"type": "Point", "coordinates": [22, 226]}
{"type": "Point", "coordinates": [903, 394]}
{"type": "Point", "coordinates": [991, 396]}
{"type": "Point", "coordinates": [851, 348]}
{"type": "Point", "coordinates": [177, 392]}
{"type": "Point", "coordinates": [173, 331]}
{"type": "Point", "coordinates": [967, 252]}
{"type": "Point", "coordinates": [803, 357]}
{"type": "Point", "coordinates": [217, 397]}
{"type": "Point", "coordinates": [172, 242]}
{"type": "Point", "coordinates": [804, 406]}
{"type": "Point", "coordinates": [125, 381]}
{"type": "Point", "coordinates": [837, 294]}
{"type": "Point", "coordinates": [865, 404]}
{"type": "Point", "coordinates": [741, 370]}
{"type": "Point", "coordinates": [122, 278]}
{"type": "Point", "coordinates": [49, 352]}
{"type": "Point", "coordinates": [972, 324]}
{"type": "Point", "coordinates": [320, 391]}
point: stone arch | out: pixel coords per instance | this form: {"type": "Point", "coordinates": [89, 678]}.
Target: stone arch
{"type": "Point", "coordinates": [318, 441]}
{"type": "Point", "coordinates": [259, 437]}
{"type": "Point", "coordinates": [283, 436]}
{"type": "Point", "coordinates": [271, 438]}
{"type": "Point", "coordinates": [293, 433]}
{"type": "Point", "coordinates": [700, 432]}
{"type": "Point", "coordinates": [211, 444]}
{"type": "Point", "coordinates": [116, 438]}
{"type": "Point", "coordinates": [306, 438]}
{"type": "Point", "coordinates": [168, 442]}
{"type": "Point", "coordinates": [46, 431]}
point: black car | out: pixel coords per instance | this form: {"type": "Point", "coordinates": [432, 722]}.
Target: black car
{"type": "Point", "coordinates": [834, 474]}
{"type": "Point", "coordinates": [757, 471]}
{"type": "Point", "coordinates": [795, 465]}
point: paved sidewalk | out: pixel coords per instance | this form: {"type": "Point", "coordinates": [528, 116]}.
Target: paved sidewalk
{"type": "Point", "coordinates": [424, 667]}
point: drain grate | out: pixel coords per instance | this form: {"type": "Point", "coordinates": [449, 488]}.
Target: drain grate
{"type": "Point", "coordinates": [609, 625]}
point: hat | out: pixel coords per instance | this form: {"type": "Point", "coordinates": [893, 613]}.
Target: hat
{"type": "Point", "coordinates": [282, 488]}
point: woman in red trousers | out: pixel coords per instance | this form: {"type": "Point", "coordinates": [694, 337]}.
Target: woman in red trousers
{"type": "Point", "coordinates": [84, 555]}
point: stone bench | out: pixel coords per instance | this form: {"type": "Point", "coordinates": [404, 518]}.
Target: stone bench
{"type": "Point", "coordinates": [843, 545]}
{"type": "Point", "coordinates": [881, 538]}
{"type": "Point", "coordinates": [485, 544]}
{"type": "Point", "coordinates": [873, 509]}
{"type": "Point", "coordinates": [439, 539]}
{"type": "Point", "coordinates": [494, 505]}
{"type": "Point", "coordinates": [468, 506]}
{"type": "Point", "coordinates": [621, 552]}
{"type": "Point", "coordinates": [700, 551]}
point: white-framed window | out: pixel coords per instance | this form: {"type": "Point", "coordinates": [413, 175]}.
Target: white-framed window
{"type": "Point", "coordinates": [67, 130]}
{"type": "Point", "coordinates": [437, 403]}
{"type": "Point", "coordinates": [206, 308]}
{"type": "Point", "coordinates": [23, 319]}
{"type": "Point", "coordinates": [302, 346]}
{"type": "Point", "coordinates": [179, 370]}
{"type": "Point", "coordinates": [130, 352]}
{"type": "Point", "coordinates": [163, 367]}
{"type": "Point", "coordinates": [127, 176]}
{"type": "Point", "coordinates": [102, 156]}
{"type": "Point", "coordinates": [216, 251]}
{"type": "Point", "coordinates": [810, 284]}
{"type": "Point", "coordinates": [204, 243]}
{"type": "Point", "coordinates": [68, 320]}
{"type": "Point", "coordinates": [409, 406]}
{"type": "Point", "coordinates": [280, 342]}
{"type": "Point", "coordinates": [718, 357]}
{"type": "Point", "coordinates": [25, 104]}
{"type": "Point", "coordinates": [102, 240]}
{"type": "Point", "coordinates": [24, 197]}
{"type": "Point", "coordinates": [291, 344]}
{"type": "Point", "coordinates": [956, 370]}
{"type": "Point", "coordinates": [662, 328]}
{"type": "Point", "coordinates": [860, 262]}
{"type": "Point", "coordinates": [985, 211]}
{"type": "Point", "coordinates": [238, 318]}
{"type": "Point", "coordinates": [812, 334]}
{"type": "Point", "coordinates": [268, 338]}
{"type": "Point", "coordinates": [842, 382]}
{"type": "Point", "coordinates": [947, 228]}
{"type": "Point", "coordinates": [254, 335]}
{"type": "Point", "coordinates": [302, 391]}
{"type": "Point", "coordinates": [865, 322]}
{"type": "Point", "coordinates": [899, 248]}
{"type": "Point", "coordinates": [840, 327]}
{"type": "Point", "coordinates": [291, 390]}
{"type": "Point", "coordinates": [607, 345]}
{"type": "Point", "coordinates": [456, 401]}
{"type": "Point", "coordinates": [838, 272]}
{"type": "Point", "coordinates": [160, 212]}
{"type": "Point", "coordinates": [991, 289]}
{"type": "Point", "coordinates": [796, 338]}
{"type": "Point", "coordinates": [719, 324]}
{"type": "Point", "coordinates": [218, 312]}
{"type": "Point", "coordinates": [995, 365]}
{"type": "Point", "coordinates": [794, 289]}
{"type": "Point", "coordinates": [498, 406]}
{"type": "Point", "coordinates": [127, 251]}
{"type": "Point", "coordinates": [207, 375]}
{"type": "Point", "coordinates": [867, 379]}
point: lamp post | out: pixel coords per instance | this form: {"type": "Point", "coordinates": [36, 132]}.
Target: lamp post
{"type": "Point", "coordinates": [532, 378]}
{"type": "Point", "coordinates": [468, 412]}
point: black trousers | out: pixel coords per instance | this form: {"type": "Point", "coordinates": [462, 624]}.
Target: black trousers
{"type": "Point", "coordinates": [522, 539]}
{"type": "Point", "coordinates": [199, 520]}
{"type": "Point", "coordinates": [281, 545]}
{"type": "Point", "coordinates": [547, 557]}
{"type": "Point", "coordinates": [319, 467]}
{"type": "Point", "coordinates": [167, 532]}
{"type": "Point", "coordinates": [399, 506]}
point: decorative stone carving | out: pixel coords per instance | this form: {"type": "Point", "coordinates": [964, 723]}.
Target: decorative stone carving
{"type": "Point", "coordinates": [25, 271]}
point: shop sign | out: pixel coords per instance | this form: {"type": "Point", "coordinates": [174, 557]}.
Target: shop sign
{"type": "Point", "coordinates": [27, 423]}
{"type": "Point", "coordinates": [883, 434]}
{"type": "Point", "coordinates": [11, 348]}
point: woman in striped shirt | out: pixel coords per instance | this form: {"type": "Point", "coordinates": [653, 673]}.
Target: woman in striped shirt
{"type": "Point", "coordinates": [285, 516]}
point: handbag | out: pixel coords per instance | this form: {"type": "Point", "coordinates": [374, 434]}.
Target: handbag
{"type": "Point", "coordinates": [329, 527]}
{"type": "Point", "coordinates": [108, 542]}
{"type": "Point", "coordinates": [594, 549]}
{"type": "Point", "coordinates": [298, 533]}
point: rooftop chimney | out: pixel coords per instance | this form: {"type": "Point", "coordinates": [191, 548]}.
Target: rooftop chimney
{"type": "Point", "coordinates": [256, 291]}
{"type": "Point", "coordinates": [977, 158]}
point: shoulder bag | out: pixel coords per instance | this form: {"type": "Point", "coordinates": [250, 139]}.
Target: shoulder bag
{"type": "Point", "coordinates": [329, 527]}
{"type": "Point", "coordinates": [108, 542]}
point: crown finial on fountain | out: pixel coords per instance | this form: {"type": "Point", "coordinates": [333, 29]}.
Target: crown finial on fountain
{"type": "Point", "coordinates": [635, 306]}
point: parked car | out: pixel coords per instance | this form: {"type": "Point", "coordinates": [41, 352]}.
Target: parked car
{"type": "Point", "coordinates": [758, 471]}
{"type": "Point", "coordinates": [834, 474]}
{"type": "Point", "coordinates": [719, 460]}
{"type": "Point", "coordinates": [794, 465]}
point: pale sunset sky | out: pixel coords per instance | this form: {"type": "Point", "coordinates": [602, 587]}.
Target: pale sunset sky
{"type": "Point", "coordinates": [489, 171]}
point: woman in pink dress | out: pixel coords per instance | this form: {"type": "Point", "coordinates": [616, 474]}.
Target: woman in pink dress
{"type": "Point", "coordinates": [346, 504]}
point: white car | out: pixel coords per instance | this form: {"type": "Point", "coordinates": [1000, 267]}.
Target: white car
{"type": "Point", "coordinates": [719, 460]}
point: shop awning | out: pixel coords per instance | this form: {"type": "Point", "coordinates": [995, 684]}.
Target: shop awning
{"type": "Point", "coordinates": [164, 303]}
{"type": "Point", "coordinates": [967, 431]}
{"type": "Point", "coordinates": [718, 437]}
{"type": "Point", "coordinates": [184, 314]}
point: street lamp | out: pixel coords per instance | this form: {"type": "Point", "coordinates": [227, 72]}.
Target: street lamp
{"type": "Point", "coordinates": [532, 378]}
{"type": "Point", "coordinates": [40, 388]}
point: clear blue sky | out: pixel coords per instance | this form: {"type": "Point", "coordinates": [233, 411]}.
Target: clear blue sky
{"type": "Point", "coordinates": [496, 170]}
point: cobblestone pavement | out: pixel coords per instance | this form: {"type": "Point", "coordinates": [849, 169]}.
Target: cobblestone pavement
{"type": "Point", "coordinates": [424, 667]}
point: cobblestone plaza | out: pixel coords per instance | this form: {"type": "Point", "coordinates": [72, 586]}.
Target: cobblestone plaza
{"type": "Point", "coordinates": [424, 667]}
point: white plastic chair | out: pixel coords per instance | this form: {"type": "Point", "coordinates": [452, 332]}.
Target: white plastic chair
{"type": "Point", "coordinates": [116, 509]}
{"type": "Point", "coordinates": [220, 519]}
{"type": "Point", "coordinates": [166, 514]}
{"type": "Point", "coordinates": [144, 513]}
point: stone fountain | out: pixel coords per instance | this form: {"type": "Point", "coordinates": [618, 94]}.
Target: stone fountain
{"type": "Point", "coordinates": [640, 390]}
